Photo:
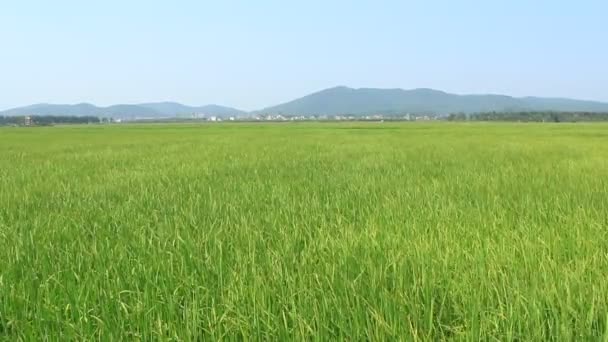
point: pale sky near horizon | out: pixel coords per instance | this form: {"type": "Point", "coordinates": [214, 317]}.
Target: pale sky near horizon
{"type": "Point", "coordinates": [253, 54]}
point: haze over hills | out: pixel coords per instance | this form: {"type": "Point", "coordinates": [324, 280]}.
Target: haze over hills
{"type": "Point", "coordinates": [334, 101]}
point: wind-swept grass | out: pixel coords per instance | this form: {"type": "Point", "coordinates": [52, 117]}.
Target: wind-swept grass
{"type": "Point", "coordinates": [304, 231]}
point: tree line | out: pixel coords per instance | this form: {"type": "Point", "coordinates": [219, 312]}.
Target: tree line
{"type": "Point", "coordinates": [531, 116]}
{"type": "Point", "coordinates": [47, 120]}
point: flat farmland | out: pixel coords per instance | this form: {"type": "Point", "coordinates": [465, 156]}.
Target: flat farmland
{"type": "Point", "coordinates": [311, 231]}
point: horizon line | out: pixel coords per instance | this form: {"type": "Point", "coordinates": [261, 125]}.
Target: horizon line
{"type": "Point", "coordinates": [92, 103]}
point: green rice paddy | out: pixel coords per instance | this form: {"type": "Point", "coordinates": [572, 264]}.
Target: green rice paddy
{"type": "Point", "coordinates": [326, 231]}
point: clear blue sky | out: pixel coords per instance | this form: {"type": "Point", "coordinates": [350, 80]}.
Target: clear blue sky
{"type": "Point", "coordinates": [251, 54]}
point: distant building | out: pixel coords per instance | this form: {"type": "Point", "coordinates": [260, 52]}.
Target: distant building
{"type": "Point", "coordinates": [27, 121]}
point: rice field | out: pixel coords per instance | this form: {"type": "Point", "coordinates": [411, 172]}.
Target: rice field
{"type": "Point", "coordinates": [316, 231]}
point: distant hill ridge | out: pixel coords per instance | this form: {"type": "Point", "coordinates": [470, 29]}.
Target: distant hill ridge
{"type": "Point", "coordinates": [335, 101]}
{"type": "Point", "coordinates": [144, 110]}
{"type": "Point", "coordinates": [345, 100]}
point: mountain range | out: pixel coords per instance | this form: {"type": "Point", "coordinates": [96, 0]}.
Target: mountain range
{"type": "Point", "coordinates": [344, 100]}
{"type": "Point", "coordinates": [334, 101]}
{"type": "Point", "coordinates": [144, 110]}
